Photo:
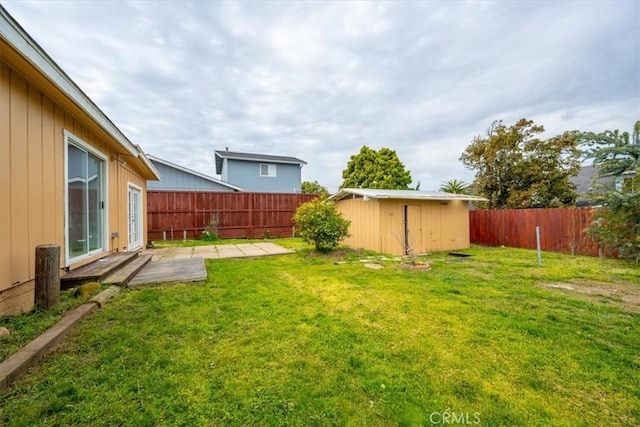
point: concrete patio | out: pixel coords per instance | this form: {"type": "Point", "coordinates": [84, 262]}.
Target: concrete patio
{"type": "Point", "coordinates": [218, 251]}
{"type": "Point", "coordinates": [180, 264]}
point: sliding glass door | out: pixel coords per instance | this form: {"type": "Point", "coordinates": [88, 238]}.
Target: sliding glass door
{"type": "Point", "coordinates": [85, 202]}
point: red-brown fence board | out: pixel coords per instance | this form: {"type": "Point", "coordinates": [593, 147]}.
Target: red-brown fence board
{"type": "Point", "coordinates": [561, 230]}
{"type": "Point", "coordinates": [240, 215]}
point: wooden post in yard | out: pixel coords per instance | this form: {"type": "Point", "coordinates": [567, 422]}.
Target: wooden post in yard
{"type": "Point", "coordinates": [47, 290]}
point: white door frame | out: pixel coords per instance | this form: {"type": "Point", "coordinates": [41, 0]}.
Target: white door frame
{"type": "Point", "coordinates": [134, 219]}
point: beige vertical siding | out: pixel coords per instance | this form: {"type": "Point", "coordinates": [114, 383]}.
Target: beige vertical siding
{"type": "Point", "coordinates": [415, 228]}
{"type": "Point", "coordinates": [433, 225]}
{"type": "Point", "coordinates": [32, 186]}
{"type": "Point", "coordinates": [5, 179]}
{"type": "Point", "coordinates": [392, 227]}
{"type": "Point", "coordinates": [365, 223]}
{"type": "Point", "coordinates": [455, 225]}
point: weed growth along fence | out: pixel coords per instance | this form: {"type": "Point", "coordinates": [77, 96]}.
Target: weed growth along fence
{"type": "Point", "coordinates": [561, 230]}
{"type": "Point", "coordinates": [176, 214]}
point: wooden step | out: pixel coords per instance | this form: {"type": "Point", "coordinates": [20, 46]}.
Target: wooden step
{"type": "Point", "coordinates": [122, 276]}
{"type": "Point", "coordinates": [97, 270]}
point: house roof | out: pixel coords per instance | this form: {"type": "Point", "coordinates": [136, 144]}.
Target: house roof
{"type": "Point", "coordinates": [16, 37]}
{"type": "Point", "coordinates": [369, 193]}
{"type": "Point", "coordinates": [253, 157]}
{"type": "Point", "coordinates": [584, 179]}
{"type": "Point", "coordinates": [192, 172]}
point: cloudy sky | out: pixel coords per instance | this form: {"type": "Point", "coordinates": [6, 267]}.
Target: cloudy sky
{"type": "Point", "coordinates": [317, 80]}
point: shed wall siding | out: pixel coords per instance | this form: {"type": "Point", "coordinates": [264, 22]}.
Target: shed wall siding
{"type": "Point", "coordinates": [32, 184]}
{"type": "Point", "coordinates": [455, 225]}
{"type": "Point", "coordinates": [176, 180]}
{"type": "Point", "coordinates": [246, 175]}
{"type": "Point", "coordinates": [365, 223]}
{"type": "Point", "coordinates": [433, 225]}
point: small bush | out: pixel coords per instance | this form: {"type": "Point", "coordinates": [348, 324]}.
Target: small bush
{"type": "Point", "coordinates": [210, 232]}
{"type": "Point", "coordinates": [318, 222]}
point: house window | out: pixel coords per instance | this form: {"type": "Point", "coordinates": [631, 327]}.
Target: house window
{"type": "Point", "coordinates": [268, 170]}
{"type": "Point", "coordinates": [85, 199]}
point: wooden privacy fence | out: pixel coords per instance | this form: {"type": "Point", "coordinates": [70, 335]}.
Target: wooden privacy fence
{"type": "Point", "coordinates": [561, 230]}
{"type": "Point", "coordinates": [176, 214]}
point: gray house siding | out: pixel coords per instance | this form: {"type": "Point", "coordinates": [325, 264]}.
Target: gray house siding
{"type": "Point", "coordinates": [177, 180]}
{"type": "Point", "coordinates": [246, 175]}
{"type": "Point", "coordinates": [225, 171]}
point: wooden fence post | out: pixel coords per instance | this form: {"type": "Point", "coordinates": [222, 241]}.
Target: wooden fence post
{"type": "Point", "coordinates": [251, 196]}
{"type": "Point", "coordinates": [47, 288]}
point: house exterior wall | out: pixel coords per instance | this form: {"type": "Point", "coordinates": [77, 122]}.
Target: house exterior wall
{"type": "Point", "coordinates": [433, 226]}
{"type": "Point", "coordinates": [246, 175]}
{"type": "Point", "coordinates": [176, 180]}
{"type": "Point", "coordinates": [32, 178]}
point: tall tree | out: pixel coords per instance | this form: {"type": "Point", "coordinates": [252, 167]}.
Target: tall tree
{"type": "Point", "coordinates": [380, 169]}
{"type": "Point", "coordinates": [308, 187]}
{"type": "Point", "coordinates": [514, 169]}
{"type": "Point", "coordinates": [617, 155]}
{"type": "Point", "coordinates": [456, 186]}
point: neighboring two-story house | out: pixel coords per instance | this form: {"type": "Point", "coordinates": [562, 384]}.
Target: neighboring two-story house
{"type": "Point", "coordinates": [260, 172]}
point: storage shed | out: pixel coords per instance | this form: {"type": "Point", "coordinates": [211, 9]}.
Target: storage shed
{"type": "Point", "coordinates": [68, 175]}
{"type": "Point", "coordinates": [405, 222]}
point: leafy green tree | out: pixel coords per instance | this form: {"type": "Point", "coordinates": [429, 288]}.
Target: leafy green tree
{"type": "Point", "coordinates": [514, 169]}
{"type": "Point", "coordinates": [380, 169]}
{"type": "Point", "coordinates": [617, 155]}
{"type": "Point", "coordinates": [455, 186]}
{"type": "Point", "coordinates": [319, 222]}
{"type": "Point", "coordinates": [308, 187]}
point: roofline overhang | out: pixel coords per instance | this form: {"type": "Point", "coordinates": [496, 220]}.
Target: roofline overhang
{"type": "Point", "coordinates": [346, 192]}
{"type": "Point", "coordinates": [262, 159]}
{"type": "Point", "coordinates": [147, 161]}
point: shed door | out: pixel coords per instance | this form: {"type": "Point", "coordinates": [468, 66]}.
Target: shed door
{"type": "Point", "coordinates": [412, 230]}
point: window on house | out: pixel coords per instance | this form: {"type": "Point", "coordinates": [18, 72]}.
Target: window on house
{"type": "Point", "coordinates": [268, 170]}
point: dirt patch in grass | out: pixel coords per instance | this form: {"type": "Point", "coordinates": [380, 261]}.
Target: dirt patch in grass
{"type": "Point", "coordinates": [417, 265]}
{"type": "Point", "coordinates": [621, 294]}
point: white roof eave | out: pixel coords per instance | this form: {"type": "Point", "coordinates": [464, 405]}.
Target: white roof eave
{"type": "Point", "coordinates": [145, 159]}
{"type": "Point", "coordinates": [369, 194]}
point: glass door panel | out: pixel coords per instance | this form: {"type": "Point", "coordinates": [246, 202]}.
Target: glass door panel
{"type": "Point", "coordinates": [77, 201]}
{"type": "Point", "coordinates": [85, 208]}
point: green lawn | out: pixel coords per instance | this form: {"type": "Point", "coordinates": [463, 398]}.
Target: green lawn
{"type": "Point", "coordinates": [304, 340]}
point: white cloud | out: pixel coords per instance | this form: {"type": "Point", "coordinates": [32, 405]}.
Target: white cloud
{"type": "Point", "coordinates": [318, 80]}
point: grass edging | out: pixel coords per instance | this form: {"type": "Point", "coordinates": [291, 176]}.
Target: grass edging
{"type": "Point", "coordinates": [14, 367]}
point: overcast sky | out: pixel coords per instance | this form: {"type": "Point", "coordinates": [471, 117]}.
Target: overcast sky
{"type": "Point", "coordinates": [317, 80]}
